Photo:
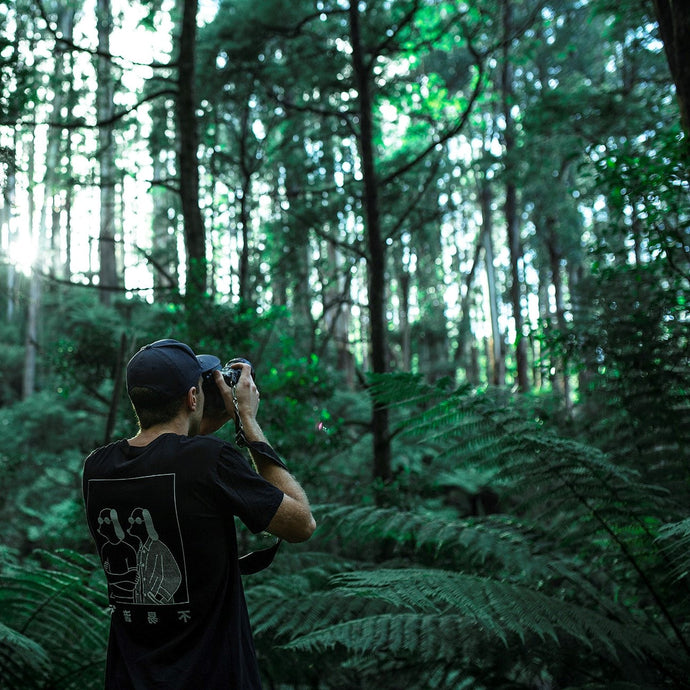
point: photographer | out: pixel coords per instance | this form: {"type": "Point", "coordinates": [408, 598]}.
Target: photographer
{"type": "Point", "coordinates": [161, 508]}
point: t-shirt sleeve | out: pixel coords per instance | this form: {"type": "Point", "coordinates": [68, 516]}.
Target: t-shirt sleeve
{"type": "Point", "coordinates": [245, 493]}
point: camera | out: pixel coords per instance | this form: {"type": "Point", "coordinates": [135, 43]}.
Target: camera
{"type": "Point", "coordinates": [213, 400]}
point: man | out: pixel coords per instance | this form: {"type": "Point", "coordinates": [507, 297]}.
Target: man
{"type": "Point", "coordinates": [182, 621]}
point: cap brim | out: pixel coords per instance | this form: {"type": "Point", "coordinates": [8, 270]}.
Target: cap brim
{"type": "Point", "coordinates": [208, 363]}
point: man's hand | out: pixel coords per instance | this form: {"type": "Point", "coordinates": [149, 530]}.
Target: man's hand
{"type": "Point", "coordinates": [213, 418]}
{"type": "Point", "coordinates": [246, 393]}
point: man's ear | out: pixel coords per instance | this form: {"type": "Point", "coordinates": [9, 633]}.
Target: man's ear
{"type": "Point", "coordinates": [193, 398]}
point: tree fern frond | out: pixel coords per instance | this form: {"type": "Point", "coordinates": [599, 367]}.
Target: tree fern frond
{"type": "Point", "coordinates": [402, 388]}
{"type": "Point", "coordinates": [675, 539]}
{"type": "Point", "coordinates": [429, 636]}
{"type": "Point", "coordinates": [536, 466]}
{"type": "Point", "coordinates": [289, 617]}
{"type": "Point", "coordinates": [22, 660]}
{"type": "Point", "coordinates": [499, 542]}
{"type": "Point", "coordinates": [59, 610]}
{"type": "Point", "coordinates": [498, 608]}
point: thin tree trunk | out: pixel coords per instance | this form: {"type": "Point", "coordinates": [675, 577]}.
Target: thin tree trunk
{"type": "Point", "coordinates": [107, 273]}
{"type": "Point", "coordinates": [511, 215]}
{"type": "Point", "coordinates": [674, 26]}
{"type": "Point", "coordinates": [498, 370]}
{"type": "Point", "coordinates": [166, 269]}
{"type": "Point", "coordinates": [35, 290]}
{"type": "Point", "coordinates": [243, 224]}
{"type": "Point", "coordinates": [337, 312]}
{"type": "Point", "coordinates": [557, 282]}
{"type": "Point", "coordinates": [188, 163]}
{"type": "Point", "coordinates": [376, 264]}
{"type": "Point", "coordinates": [404, 318]}
{"type": "Point", "coordinates": [117, 389]}
{"type": "Point", "coordinates": [465, 352]}
{"type": "Point", "coordinates": [244, 220]}
{"type": "Point", "coordinates": [540, 372]}
{"type": "Point", "coordinates": [7, 227]}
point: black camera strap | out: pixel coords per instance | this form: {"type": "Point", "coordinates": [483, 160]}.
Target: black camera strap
{"type": "Point", "coordinates": [259, 447]}
{"type": "Point", "coordinates": [255, 561]}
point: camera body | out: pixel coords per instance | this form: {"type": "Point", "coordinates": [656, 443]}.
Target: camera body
{"type": "Point", "coordinates": [213, 400]}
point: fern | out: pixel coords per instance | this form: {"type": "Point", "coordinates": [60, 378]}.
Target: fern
{"type": "Point", "coordinates": [577, 563]}
{"type": "Point", "coordinates": [23, 662]}
{"type": "Point", "coordinates": [500, 608]}
{"type": "Point", "coordinates": [435, 618]}
{"type": "Point", "coordinates": [675, 540]}
{"type": "Point", "coordinates": [499, 540]}
{"type": "Point", "coordinates": [56, 612]}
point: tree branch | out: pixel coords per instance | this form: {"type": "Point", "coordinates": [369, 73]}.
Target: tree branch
{"type": "Point", "coordinates": [82, 124]}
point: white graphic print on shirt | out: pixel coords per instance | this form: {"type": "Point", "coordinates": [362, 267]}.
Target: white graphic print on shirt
{"type": "Point", "coordinates": [139, 539]}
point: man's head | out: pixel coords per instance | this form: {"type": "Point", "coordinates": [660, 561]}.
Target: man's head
{"type": "Point", "coordinates": [159, 378]}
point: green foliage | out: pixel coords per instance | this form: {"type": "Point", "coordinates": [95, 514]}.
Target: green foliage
{"type": "Point", "coordinates": [675, 539]}
{"type": "Point", "coordinates": [515, 547]}
{"type": "Point", "coordinates": [53, 624]}
{"type": "Point", "coordinates": [632, 331]}
{"type": "Point", "coordinates": [479, 607]}
{"type": "Point", "coordinates": [575, 566]}
{"type": "Point", "coordinates": [42, 457]}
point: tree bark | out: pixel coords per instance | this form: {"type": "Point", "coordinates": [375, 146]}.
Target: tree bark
{"type": "Point", "coordinates": [511, 214]}
{"type": "Point", "coordinates": [498, 369]}
{"type": "Point", "coordinates": [336, 305]}
{"type": "Point", "coordinates": [555, 257]}
{"type": "Point", "coordinates": [673, 17]}
{"type": "Point", "coordinates": [35, 292]}
{"type": "Point", "coordinates": [7, 221]}
{"type": "Point", "coordinates": [188, 163]}
{"type": "Point", "coordinates": [376, 264]}
{"type": "Point", "coordinates": [106, 156]}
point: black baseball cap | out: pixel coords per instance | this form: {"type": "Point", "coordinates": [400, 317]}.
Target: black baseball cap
{"type": "Point", "coordinates": [168, 367]}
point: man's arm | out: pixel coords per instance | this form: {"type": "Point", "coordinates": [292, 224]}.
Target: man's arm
{"type": "Point", "coordinates": [293, 520]}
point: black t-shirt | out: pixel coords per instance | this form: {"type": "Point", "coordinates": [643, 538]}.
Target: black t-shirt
{"type": "Point", "coordinates": [162, 518]}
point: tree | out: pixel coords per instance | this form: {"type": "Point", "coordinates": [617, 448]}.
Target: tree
{"type": "Point", "coordinates": [376, 261]}
{"type": "Point", "coordinates": [108, 278]}
{"type": "Point", "coordinates": [511, 209]}
{"type": "Point", "coordinates": [188, 162]}
{"type": "Point", "coordinates": [674, 27]}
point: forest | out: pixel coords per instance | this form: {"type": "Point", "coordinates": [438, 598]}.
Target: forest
{"type": "Point", "coordinates": [452, 237]}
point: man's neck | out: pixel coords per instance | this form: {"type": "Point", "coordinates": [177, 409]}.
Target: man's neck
{"type": "Point", "coordinates": [179, 426]}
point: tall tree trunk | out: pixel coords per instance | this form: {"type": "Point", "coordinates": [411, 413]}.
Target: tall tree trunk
{"type": "Point", "coordinates": [243, 224]}
{"type": "Point", "coordinates": [557, 282]}
{"type": "Point", "coordinates": [35, 289]}
{"type": "Point", "coordinates": [541, 373]}
{"type": "Point", "coordinates": [7, 224]}
{"type": "Point", "coordinates": [188, 163]}
{"type": "Point", "coordinates": [511, 214]}
{"type": "Point", "coordinates": [243, 194]}
{"type": "Point", "coordinates": [674, 26]}
{"type": "Point", "coordinates": [164, 257]}
{"type": "Point", "coordinates": [464, 353]}
{"type": "Point", "coordinates": [376, 265]}
{"type": "Point", "coordinates": [107, 272]}
{"type": "Point", "coordinates": [336, 305]}
{"type": "Point", "coordinates": [404, 318]}
{"type": "Point", "coordinates": [498, 369]}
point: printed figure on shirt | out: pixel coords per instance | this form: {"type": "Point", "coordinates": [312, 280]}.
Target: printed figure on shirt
{"type": "Point", "coordinates": [118, 557]}
{"type": "Point", "coordinates": [158, 574]}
